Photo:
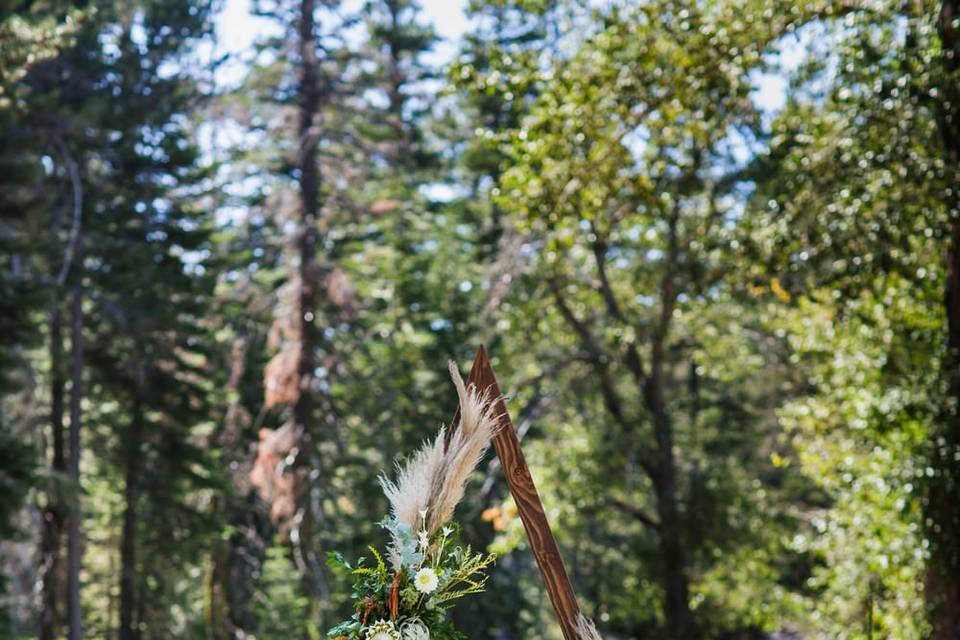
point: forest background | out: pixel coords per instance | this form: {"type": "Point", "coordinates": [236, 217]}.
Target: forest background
{"type": "Point", "coordinates": [712, 246]}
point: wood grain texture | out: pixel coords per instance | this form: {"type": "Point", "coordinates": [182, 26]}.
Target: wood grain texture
{"type": "Point", "coordinates": [529, 506]}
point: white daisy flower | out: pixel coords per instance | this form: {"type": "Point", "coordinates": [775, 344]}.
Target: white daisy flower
{"type": "Point", "coordinates": [426, 580]}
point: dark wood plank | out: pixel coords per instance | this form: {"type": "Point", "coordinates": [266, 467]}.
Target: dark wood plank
{"type": "Point", "coordinates": [529, 506]}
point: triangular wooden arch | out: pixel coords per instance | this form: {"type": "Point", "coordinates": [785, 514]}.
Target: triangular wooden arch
{"type": "Point", "coordinates": [529, 506]}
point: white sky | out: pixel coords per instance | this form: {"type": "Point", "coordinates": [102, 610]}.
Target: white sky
{"type": "Point", "coordinates": [237, 30]}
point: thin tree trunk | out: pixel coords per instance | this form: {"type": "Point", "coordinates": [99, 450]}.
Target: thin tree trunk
{"type": "Point", "coordinates": [670, 533]}
{"type": "Point", "coordinates": [309, 207]}
{"type": "Point", "coordinates": [51, 613]}
{"type": "Point", "coordinates": [943, 575]}
{"type": "Point", "coordinates": [225, 614]}
{"type": "Point", "coordinates": [74, 616]}
{"type": "Point", "coordinates": [141, 617]}
{"type": "Point", "coordinates": [661, 469]}
{"type": "Point", "coordinates": [128, 544]}
{"type": "Point", "coordinates": [671, 540]}
{"type": "Point", "coordinates": [237, 563]}
{"type": "Point", "coordinates": [943, 509]}
{"type": "Point", "coordinates": [303, 418]}
{"type": "Point", "coordinates": [395, 81]}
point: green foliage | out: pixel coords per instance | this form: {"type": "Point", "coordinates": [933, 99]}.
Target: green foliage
{"type": "Point", "coordinates": [283, 610]}
{"type": "Point", "coordinates": [861, 439]}
{"type": "Point", "coordinates": [18, 472]}
{"type": "Point", "coordinates": [623, 171]}
{"type": "Point", "coordinates": [849, 209]}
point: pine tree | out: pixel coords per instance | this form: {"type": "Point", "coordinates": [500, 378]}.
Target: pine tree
{"type": "Point", "coordinates": [302, 81]}
{"type": "Point", "coordinates": [113, 115]}
{"type": "Point", "coordinates": [149, 355]}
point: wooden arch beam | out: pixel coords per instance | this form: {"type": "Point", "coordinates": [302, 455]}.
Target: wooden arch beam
{"type": "Point", "coordinates": [529, 506]}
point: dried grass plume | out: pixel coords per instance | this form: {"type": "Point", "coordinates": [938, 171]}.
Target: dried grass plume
{"type": "Point", "coordinates": [586, 630]}
{"type": "Point", "coordinates": [433, 480]}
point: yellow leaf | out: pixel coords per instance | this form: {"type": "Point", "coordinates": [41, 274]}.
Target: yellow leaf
{"type": "Point", "coordinates": [778, 290]}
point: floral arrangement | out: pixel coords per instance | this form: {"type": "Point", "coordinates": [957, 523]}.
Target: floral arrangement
{"type": "Point", "coordinates": [407, 596]}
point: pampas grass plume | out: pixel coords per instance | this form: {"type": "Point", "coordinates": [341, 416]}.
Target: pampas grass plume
{"type": "Point", "coordinates": [434, 479]}
{"type": "Point", "coordinates": [586, 630]}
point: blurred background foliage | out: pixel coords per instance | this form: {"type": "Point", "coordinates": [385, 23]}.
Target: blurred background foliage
{"type": "Point", "coordinates": [713, 248]}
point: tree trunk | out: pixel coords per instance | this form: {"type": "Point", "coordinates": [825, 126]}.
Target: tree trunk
{"type": "Point", "coordinates": [303, 409]}
{"type": "Point", "coordinates": [128, 545]}
{"type": "Point", "coordinates": [74, 618]}
{"type": "Point", "coordinates": [680, 625]}
{"type": "Point", "coordinates": [661, 467]}
{"type": "Point", "coordinates": [236, 563]}
{"type": "Point", "coordinates": [309, 206]}
{"type": "Point", "coordinates": [670, 534]}
{"type": "Point", "coordinates": [395, 82]}
{"type": "Point", "coordinates": [943, 509]}
{"type": "Point", "coordinates": [51, 539]}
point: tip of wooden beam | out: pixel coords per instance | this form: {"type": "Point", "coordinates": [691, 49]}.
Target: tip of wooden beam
{"type": "Point", "coordinates": [481, 365]}
{"type": "Point", "coordinates": [481, 355]}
